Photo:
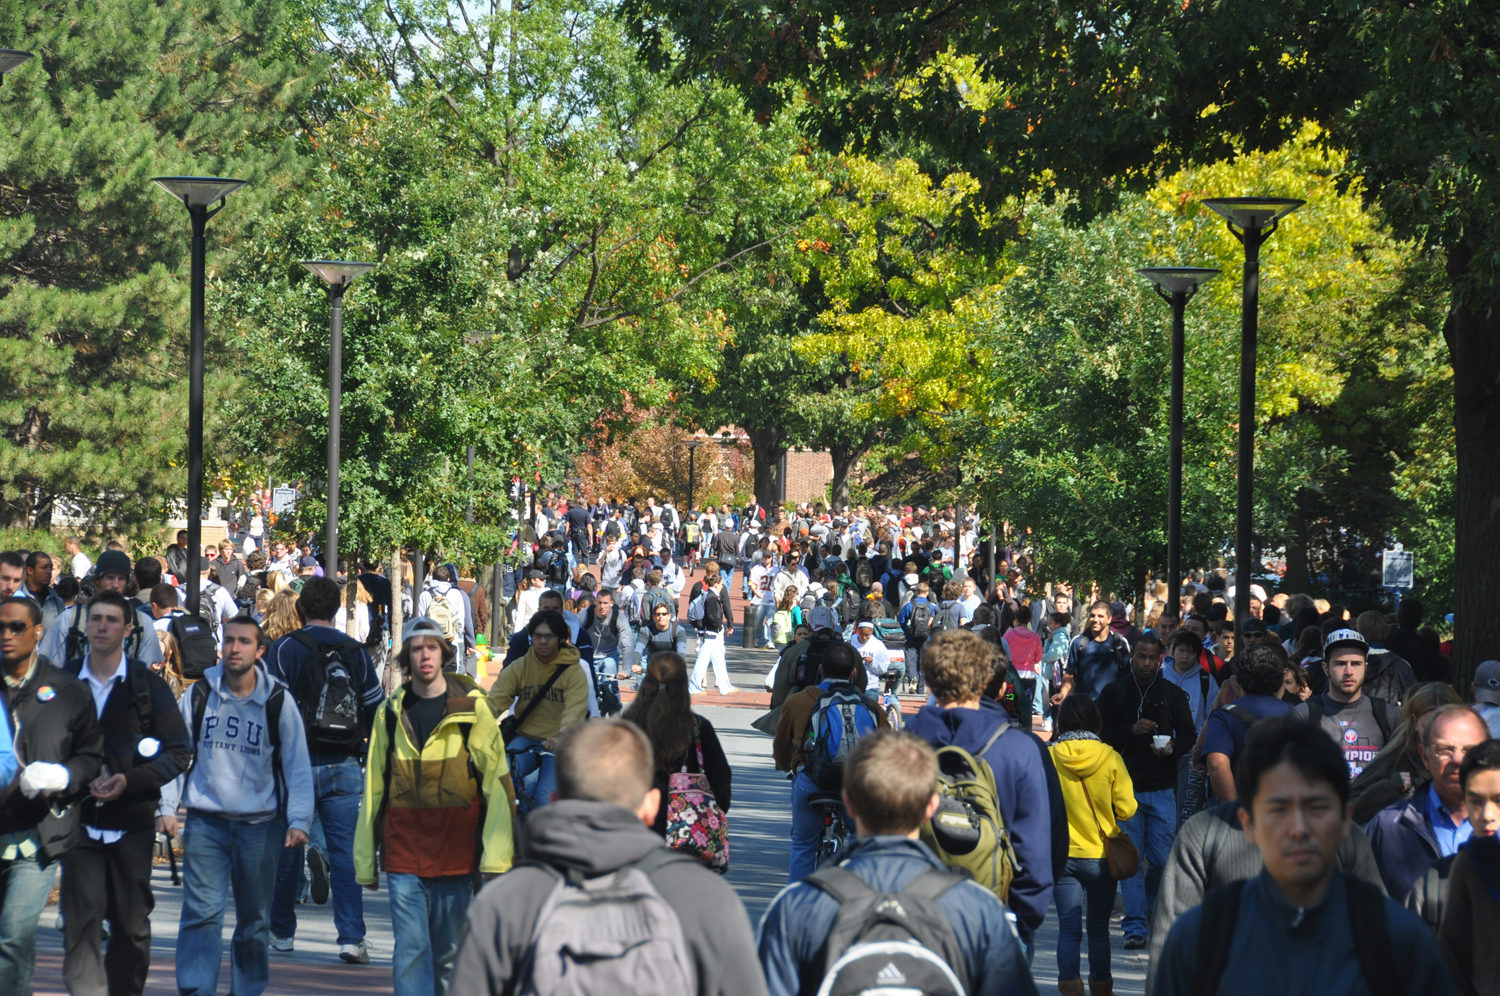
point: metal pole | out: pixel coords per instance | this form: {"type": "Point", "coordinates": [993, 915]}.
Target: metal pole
{"type": "Point", "coordinates": [335, 403]}
{"type": "Point", "coordinates": [199, 215]}
{"type": "Point", "coordinates": [1245, 501]}
{"type": "Point", "coordinates": [1174, 478]}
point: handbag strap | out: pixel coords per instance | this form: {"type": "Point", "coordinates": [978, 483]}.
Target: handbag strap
{"type": "Point", "coordinates": [536, 699]}
{"type": "Point", "coordinates": [1104, 838]}
{"type": "Point", "coordinates": [698, 746]}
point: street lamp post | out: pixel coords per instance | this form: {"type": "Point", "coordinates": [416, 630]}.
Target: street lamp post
{"type": "Point", "coordinates": [196, 193]}
{"type": "Point", "coordinates": [12, 59]}
{"type": "Point", "coordinates": [692, 448]}
{"type": "Point", "coordinates": [1176, 284]}
{"type": "Point", "coordinates": [1251, 220]}
{"type": "Point", "coordinates": [338, 274]}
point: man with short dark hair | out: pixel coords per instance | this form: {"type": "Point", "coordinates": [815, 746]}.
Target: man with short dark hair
{"type": "Point", "coordinates": [599, 825]}
{"type": "Point", "coordinates": [107, 876]}
{"type": "Point", "coordinates": [12, 573]}
{"type": "Point", "coordinates": [249, 796]}
{"type": "Point", "coordinates": [40, 819]}
{"type": "Point", "coordinates": [334, 685]}
{"type": "Point", "coordinates": [890, 789]}
{"type": "Point", "coordinates": [1095, 657]}
{"type": "Point", "coordinates": [38, 586]}
{"type": "Point", "coordinates": [1300, 928]}
{"type": "Point", "coordinates": [1260, 672]}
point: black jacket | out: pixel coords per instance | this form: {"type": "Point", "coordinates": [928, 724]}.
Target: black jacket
{"type": "Point", "coordinates": [124, 732]}
{"type": "Point", "coordinates": [1122, 703]}
{"type": "Point", "coordinates": [55, 714]}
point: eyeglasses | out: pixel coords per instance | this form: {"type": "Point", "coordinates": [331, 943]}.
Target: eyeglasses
{"type": "Point", "coordinates": [15, 627]}
{"type": "Point", "coordinates": [661, 612]}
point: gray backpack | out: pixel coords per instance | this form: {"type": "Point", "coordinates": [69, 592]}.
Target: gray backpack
{"type": "Point", "coordinates": [613, 934]}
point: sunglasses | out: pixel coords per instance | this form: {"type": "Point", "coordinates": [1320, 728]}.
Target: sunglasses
{"type": "Point", "coordinates": [15, 627]}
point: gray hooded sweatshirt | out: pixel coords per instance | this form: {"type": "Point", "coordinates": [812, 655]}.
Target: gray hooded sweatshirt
{"type": "Point", "coordinates": [231, 774]}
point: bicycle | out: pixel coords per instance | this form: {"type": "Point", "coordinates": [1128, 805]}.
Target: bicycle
{"type": "Point", "coordinates": [890, 700]}
{"type": "Point", "coordinates": [834, 840]}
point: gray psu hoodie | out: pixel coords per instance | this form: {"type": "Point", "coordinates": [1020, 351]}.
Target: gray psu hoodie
{"type": "Point", "coordinates": [232, 774]}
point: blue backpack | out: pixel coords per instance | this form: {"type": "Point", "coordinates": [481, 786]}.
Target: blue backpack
{"type": "Point", "coordinates": [840, 718]}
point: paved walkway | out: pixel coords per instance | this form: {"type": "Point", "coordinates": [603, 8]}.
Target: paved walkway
{"type": "Point", "coordinates": [758, 860]}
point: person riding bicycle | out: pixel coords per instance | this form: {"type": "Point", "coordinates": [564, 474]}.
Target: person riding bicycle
{"type": "Point", "coordinates": [550, 693]}
{"type": "Point", "coordinates": [839, 665]}
{"type": "Point", "coordinates": [878, 662]}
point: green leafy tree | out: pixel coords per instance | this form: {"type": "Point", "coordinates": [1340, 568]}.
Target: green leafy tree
{"type": "Point", "coordinates": [1093, 99]}
{"type": "Point", "coordinates": [93, 267]}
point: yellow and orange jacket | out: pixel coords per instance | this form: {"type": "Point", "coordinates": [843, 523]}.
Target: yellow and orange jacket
{"type": "Point", "coordinates": [438, 815]}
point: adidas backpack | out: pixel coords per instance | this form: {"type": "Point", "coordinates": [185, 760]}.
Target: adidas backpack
{"type": "Point", "coordinates": [840, 718]}
{"type": "Point", "coordinates": [895, 943]}
{"type": "Point", "coordinates": [968, 830]}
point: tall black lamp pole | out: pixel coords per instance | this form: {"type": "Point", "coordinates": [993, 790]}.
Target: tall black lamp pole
{"type": "Point", "coordinates": [196, 193]}
{"type": "Point", "coordinates": [1251, 220]}
{"type": "Point", "coordinates": [1176, 284]}
{"type": "Point", "coordinates": [338, 274]}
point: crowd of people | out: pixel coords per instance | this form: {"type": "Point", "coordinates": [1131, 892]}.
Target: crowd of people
{"type": "Point", "coordinates": [1298, 801]}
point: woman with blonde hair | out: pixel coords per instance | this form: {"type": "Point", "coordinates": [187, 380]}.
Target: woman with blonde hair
{"type": "Point", "coordinates": [282, 616]}
{"type": "Point", "coordinates": [170, 665]}
{"type": "Point", "coordinates": [1397, 772]}
{"type": "Point", "coordinates": [354, 615]}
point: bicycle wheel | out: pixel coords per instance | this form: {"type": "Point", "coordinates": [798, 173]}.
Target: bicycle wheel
{"type": "Point", "coordinates": [893, 715]}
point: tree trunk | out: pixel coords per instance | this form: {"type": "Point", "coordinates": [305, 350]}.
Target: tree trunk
{"type": "Point", "coordinates": [768, 448]}
{"type": "Point", "coordinates": [844, 459]}
{"type": "Point", "coordinates": [1473, 334]}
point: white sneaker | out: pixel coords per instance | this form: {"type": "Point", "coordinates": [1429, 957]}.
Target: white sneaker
{"type": "Point", "coordinates": [281, 943]}
{"type": "Point", "coordinates": [354, 954]}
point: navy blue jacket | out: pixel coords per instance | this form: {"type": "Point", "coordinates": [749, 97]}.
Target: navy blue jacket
{"type": "Point", "coordinates": [1025, 802]}
{"type": "Point", "coordinates": [1404, 844]}
{"type": "Point", "coordinates": [795, 928]}
{"type": "Point", "coordinates": [1278, 949]}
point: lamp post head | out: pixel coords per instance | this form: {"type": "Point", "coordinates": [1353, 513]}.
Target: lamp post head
{"type": "Point", "coordinates": [1253, 212]}
{"type": "Point", "coordinates": [12, 59]}
{"type": "Point", "coordinates": [198, 191]}
{"type": "Point", "coordinates": [1178, 279]}
{"type": "Point", "coordinates": [692, 444]}
{"type": "Point", "coordinates": [338, 272]}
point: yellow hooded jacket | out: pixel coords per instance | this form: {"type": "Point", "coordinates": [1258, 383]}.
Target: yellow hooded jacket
{"type": "Point", "coordinates": [1096, 789]}
{"type": "Point", "coordinates": [566, 702]}
{"type": "Point", "coordinates": [435, 819]}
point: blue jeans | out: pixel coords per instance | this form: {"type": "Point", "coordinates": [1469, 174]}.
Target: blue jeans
{"type": "Point", "coordinates": [337, 789]}
{"type": "Point", "coordinates": [24, 885]}
{"type": "Point", "coordinates": [1090, 877]}
{"type": "Point", "coordinates": [727, 573]}
{"type": "Point", "coordinates": [526, 757]}
{"type": "Point", "coordinates": [1151, 830]}
{"type": "Point", "coordinates": [807, 827]}
{"type": "Point", "coordinates": [427, 918]}
{"type": "Point", "coordinates": [763, 616]}
{"type": "Point", "coordinates": [217, 854]}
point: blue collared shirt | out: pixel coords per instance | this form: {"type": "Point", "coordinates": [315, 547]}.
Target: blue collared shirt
{"type": "Point", "coordinates": [1450, 837]}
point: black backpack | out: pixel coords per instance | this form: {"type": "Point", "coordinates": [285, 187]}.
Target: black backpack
{"type": "Point", "coordinates": [891, 942]}
{"type": "Point", "coordinates": [919, 623]}
{"type": "Point", "coordinates": [1221, 908]}
{"type": "Point", "coordinates": [195, 644]}
{"type": "Point", "coordinates": [327, 696]}
{"type": "Point", "coordinates": [557, 568]}
{"type": "Point", "coordinates": [864, 574]}
{"type": "Point", "coordinates": [808, 667]}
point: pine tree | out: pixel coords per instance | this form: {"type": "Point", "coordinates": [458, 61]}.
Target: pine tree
{"type": "Point", "coordinates": [94, 257]}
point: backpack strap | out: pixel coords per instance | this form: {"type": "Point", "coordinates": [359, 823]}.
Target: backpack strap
{"type": "Point", "coordinates": [933, 882]}
{"type": "Point", "coordinates": [274, 703]}
{"type": "Point", "coordinates": [200, 705]}
{"type": "Point", "coordinates": [1242, 714]}
{"type": "Point", "coordinates": [1382, 718]}
{"type": "Point", "coordinates": [1371, 936]}
{"type": "Point", "coordinates": [1221, 908]}
{"type": "Point", "coordinates": [1315, 709]}
{"type": "Point", "coordinates": [840, 883]}
{"type": "Point", "coordinates": [140, 694]}
{"type": "Point", "coordinates": [1004, 725]}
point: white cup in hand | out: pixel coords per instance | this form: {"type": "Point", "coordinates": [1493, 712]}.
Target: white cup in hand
{"type": "Point", "coordinates": [1161, 741]}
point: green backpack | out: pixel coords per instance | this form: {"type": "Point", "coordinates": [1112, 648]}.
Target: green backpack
{"type": "Point", "coordinates": [967, 831]}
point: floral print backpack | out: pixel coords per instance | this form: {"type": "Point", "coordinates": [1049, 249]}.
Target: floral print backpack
{"type": "Point", "coordinates": [695, 824]}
